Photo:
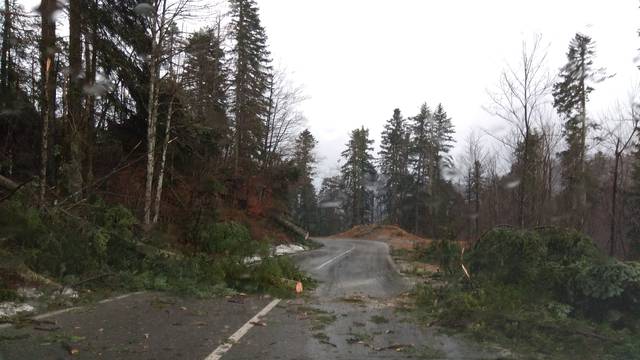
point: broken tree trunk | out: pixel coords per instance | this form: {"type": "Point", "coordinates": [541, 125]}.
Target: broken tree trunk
{"type": "Point", "coordinates": [8, 183]}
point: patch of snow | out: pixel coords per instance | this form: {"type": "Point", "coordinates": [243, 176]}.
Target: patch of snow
{"type": "Point", "coordinates": [10, 309]}
{"type": "Point", "coordinates": [279, 250]}
{"type": "Point", "coordinates": [69, 293]}
{"type": "Point", "coordinates": [66, 292]}
{"type": "Point", "coordinates": [252, 260]}
{"type": "Point", "coordinates": [29, 293]}
{"type": "Point", "coordinates": [288, 249]}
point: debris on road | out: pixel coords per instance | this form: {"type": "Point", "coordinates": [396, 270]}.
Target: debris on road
{"type": "Point", "coordinates": [72, 350]}
{"type": "Point", "coordinates": [395, 347]}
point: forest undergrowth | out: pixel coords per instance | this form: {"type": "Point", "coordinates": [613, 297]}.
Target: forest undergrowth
{"type": "Point", "coordinates": [98, 248]}
{"type": "Point", "coordinates": [547, 293]}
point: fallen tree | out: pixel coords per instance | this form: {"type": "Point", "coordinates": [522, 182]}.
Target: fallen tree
{"type": "Point", "coordinates": [8, 183]}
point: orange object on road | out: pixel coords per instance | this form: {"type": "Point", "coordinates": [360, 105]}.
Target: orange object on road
{"type": "Point", "coordinates": [298, 287]}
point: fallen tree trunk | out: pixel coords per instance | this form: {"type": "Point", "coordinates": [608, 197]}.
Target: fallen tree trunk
{"type": "Point", "coordinates": [17, 269]}
{"type": "Point", "coordinates": [289, 225]}
{"type": "Point", "coordinates": [8, 183]}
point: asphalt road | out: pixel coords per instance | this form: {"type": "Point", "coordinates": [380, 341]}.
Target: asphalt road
{"type": "Point", "coordinates": [355, 313]}
{"type": "Point", "coordinates": [352, 267]}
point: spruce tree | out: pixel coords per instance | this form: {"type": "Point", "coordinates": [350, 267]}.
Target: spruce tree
{"type": "Point", "coordinates": [394, 156]}
{"type": "Point", "coordinates": [305, 203]}
{"type": "Point", "coordinates": [250, 80]}
{"type": "Point", "coordinates": [205, 80]}
{"type": "Point", "coordinates": [421, 151]}
{"type": "Point", "coordinates": [442, 142]}
{"type": "Point", "coordinates": [358, 172]}
{"type": "Point", "coordinates": [571, 95]}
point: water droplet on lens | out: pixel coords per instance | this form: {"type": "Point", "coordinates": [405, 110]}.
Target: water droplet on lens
{"type": "Point", "coordinates": [144, 9]}
{"type": "Point", "coordinates": [512, 184]}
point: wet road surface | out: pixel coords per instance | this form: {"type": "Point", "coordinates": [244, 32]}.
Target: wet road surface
{"type": "Point", "coordinates": [355, 313]}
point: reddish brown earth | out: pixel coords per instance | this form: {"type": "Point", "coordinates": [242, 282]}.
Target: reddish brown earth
{"type": "Point", "coordinates": [396, 237]}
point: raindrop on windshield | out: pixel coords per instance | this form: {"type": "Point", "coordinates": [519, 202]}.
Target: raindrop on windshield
{"type": "Point", "coordinates": [144, 9]}
{"type": "Point", "coordinates": [52, 12]}
{"type": "Point", "coordinates": [101, 86]}
{"type": "Point", "coordinates": [512, 184]}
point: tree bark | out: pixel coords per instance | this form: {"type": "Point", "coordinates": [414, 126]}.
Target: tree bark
{"type": "Point", "coordinates": [151, 142]}
{"type": "Point", "coordinates": [75, 126]}
{"type": "Point", "coordinates": [48, 69]}
{"type": "Point", "coordinates": [90, 103]}
{"type": "Point", "coordinates": [157, 28]}
{"type": "Point", "coordinates": [614, 202]}
{"type": "Point", "coordinates": [4, 58]}
{"type": "Point", "coordinates": [163, 160]}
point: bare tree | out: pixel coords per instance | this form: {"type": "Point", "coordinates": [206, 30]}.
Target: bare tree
{"type": "Point", "coordinates": [283, 121]}
{"type": "Point", "coordinates": [619, 128]}
{"type": "Point", "coordinates": [521, 92]}
{"type": "Point", "coordinates": [174, 81]}
{"type": "Point", "coordinates": [474, 160]}
{"type": "Point", "coordinates": [162, 15]}
{"type": "Point", "coordinates": [550, 139]}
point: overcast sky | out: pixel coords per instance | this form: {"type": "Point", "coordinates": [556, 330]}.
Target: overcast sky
{"type": "Point", "coordinates": [360, 59]}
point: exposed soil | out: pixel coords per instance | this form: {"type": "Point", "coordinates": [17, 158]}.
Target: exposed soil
{"type": "Point", "coordinates": [396, 237]}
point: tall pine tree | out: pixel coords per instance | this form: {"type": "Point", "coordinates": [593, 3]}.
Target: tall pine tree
{"type": "Point", "coordinates": [394, 157]}
{"type": "Point", "coordinates": [250, 80]}
{"type": "Point", "coordinates": [570, 95]}
{"type": "Point", "coordinates": [305, 203]}
{"type": "Point", "coordinates": [442, 142]}
{"type": "Point", "coordinates": [205, 80]}
{"type": "Point", "coordinates": [421, 151]}
{"type": "Point", "coordinates": [358, 172]}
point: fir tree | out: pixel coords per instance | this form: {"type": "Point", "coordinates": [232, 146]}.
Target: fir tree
{"type": "Point", "coordinates": [305, 203]}
{"type": "Point", "coordinates": [358, 172]}
{"type": "Point", "coordinates": [570, 95]}
{"type": "Point", "coordinates": [442, 142]}
{"type": "Point", "coordinates": [250, 80]}
{"type": "Point", "coordinates": [421, 151]}
{"type": "Point", "coordinates": [394, 156]}
{"type": "Point", "coordinates": [206, 80]}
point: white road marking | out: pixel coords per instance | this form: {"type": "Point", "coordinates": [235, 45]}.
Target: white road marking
{"type": "Point", "coordinates": [222, 349]}
{"type": "Point", "coordinates": [334, 258]}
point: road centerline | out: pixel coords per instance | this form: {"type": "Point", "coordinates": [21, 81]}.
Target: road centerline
{"type": "Point", "coordinates": [231, 340]}
{"type": "Point", "coordinates": [334, 258]}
